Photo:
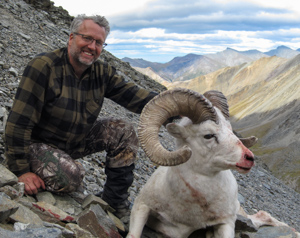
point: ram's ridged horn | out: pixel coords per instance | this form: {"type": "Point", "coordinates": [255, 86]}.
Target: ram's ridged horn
{"type": "Point", "coordinates": [168, 104]}
{"type": "Point", "coordinates": [218, 100]}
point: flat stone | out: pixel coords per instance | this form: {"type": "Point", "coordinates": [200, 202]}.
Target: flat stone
{"type": "Point", "coordinates": [7, 177]}
{"type": "Point", "coordinates": [19, 226]}
{"type": "Point", "coordinates": [119, 224]}
{"type": "Point", "coordinates": [50, 213]}
{"type": "Point", "coordinates": [67, 233]}
{"type": "Point", "coordinates": [96, 221]}
{"type": "Point", "coordinates": [13, 71]}
{"type": "Point", "coordinates": [245, 224]}
{"type": "Point", "coordinates": [275, 232]}
{"type": "Point", "coordinates": [7, 207]}
{"type": "Point", "coordinates": [92, 199]}
{"type": "Point", "coordinates": [11, 192]}
{"type": "Point", "coordinates": [20, 187]}
{"type": "Point", "coordinates": [7, 226]}
{"type": "Point", "coordinates": [3, 111]}
{"type": "Point", "coordinates": [46, 197]}
{"type": "Point", "coordinates": [34, 232]}
{"type": "Point", "coordinates": [78, 231]}
{"type": "Point", "coordinates": [27, 37]}
{"type": "Point", "coordinates": [25, 215]}
{"type": "Point", "coordinates": [26, 201]}
{"type": "Point", "coordinates": [68, 204]}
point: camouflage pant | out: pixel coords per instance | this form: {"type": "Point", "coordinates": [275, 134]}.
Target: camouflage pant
{"type": "Point", "coordinates": [59, 170]}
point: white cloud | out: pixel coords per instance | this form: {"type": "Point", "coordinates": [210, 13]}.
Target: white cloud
{"type": "Point", "coordinates": [159, 41]}
{"type": "Point", "coordinates": [166, 29]}
{"type": "Point", "coordinates": [293, 5]}
{"type": "Point", "coordinates": [109, 8]}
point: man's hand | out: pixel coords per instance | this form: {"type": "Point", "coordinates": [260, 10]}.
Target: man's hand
{"type": "Point", "coordinates": [32, 183]}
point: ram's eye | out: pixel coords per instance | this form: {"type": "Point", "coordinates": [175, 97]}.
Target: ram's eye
{"type": "Point", "coordinates": [209, 136]}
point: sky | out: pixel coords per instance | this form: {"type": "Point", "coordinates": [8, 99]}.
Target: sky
{"type": "Point", "coordinates": [160, 30]}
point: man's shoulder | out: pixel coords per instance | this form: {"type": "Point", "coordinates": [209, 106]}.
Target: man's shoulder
{"type": "Point", "coordinates": [107, 67]}
{"type": "Point", "coordinates": [100, 62]}
{"type": "Point", "coordinates": [52, 57]}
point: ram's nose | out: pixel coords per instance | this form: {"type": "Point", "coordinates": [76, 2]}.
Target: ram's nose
{"type": "Point", "coordinates": [246, 162]}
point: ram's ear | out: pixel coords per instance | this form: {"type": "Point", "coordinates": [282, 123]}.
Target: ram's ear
{"type": "Point", "coordinates": [249, 141]}
{"type": "Point", "coordinates": [177, 131]}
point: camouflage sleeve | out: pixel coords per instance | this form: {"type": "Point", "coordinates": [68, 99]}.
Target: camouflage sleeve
{"type": "Point", "coordinates": [25, 113]}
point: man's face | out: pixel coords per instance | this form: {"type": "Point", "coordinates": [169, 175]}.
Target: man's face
{"type": "Point", "coordinates": [81, 52]}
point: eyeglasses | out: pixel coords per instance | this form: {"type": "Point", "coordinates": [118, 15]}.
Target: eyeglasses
{"type": "Point", "coordinates": [90, 40]}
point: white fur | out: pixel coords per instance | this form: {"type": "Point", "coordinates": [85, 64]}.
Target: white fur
{"type": "Point", "coordinates": [199, 193]}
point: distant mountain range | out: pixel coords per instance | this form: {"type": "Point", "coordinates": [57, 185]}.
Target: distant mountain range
{"type": "Point", "coordinates": [193, 65]}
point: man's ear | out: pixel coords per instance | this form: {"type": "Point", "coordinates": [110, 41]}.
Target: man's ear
{"type": "Point", "coordinates": [177, 131]}
{"type": "Point", "coordinates": [71, 37]}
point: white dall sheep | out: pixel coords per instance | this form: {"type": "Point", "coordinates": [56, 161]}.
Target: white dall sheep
{"type": "Point", "coordinates": [194, 187]}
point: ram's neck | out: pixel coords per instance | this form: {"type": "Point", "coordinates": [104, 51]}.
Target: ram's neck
{"type": "Point", "coordinates": [194, 183]}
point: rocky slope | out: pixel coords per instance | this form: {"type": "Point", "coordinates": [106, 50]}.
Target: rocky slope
{"type": "Point", "coordinates": [26, 30]}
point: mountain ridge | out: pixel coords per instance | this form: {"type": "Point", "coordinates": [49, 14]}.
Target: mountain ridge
{"type": "Point", "coordinates": [181, 69]}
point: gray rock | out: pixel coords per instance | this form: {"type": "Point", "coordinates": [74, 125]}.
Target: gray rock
{"type": "Point", "coordinates": [25, 215]}
{"type": "Point", "coordinates": [27, 37]}
{"type": "Point", "coordinates": [46, 197]}
{"type": "Point", "coordinates": [11, 192]}
{"type": "Point", "coordinates": [32, 233]}
{"type": "Point", "coordinates": [273, 232]}
{"type": "Point", "coordinates": [244, 224]}
{"type": "Point", "coordinates": [92, 199]}
{"type": "Point", "coordinates": [95, 220]}
{"type": "Point", "coordinates": [67, 204]}
{"type": "Point", "coordinates": [67, 233]}
{"type": "Point", "coordinates": [7, 177]}
{"type": "Point", "coordinates": [78, 231]}
{"type": "Point", "coordinates": [50, 213]}
{"type": "Point", "coordinates": [7, 207]}
{"type": "Point", "coordinates": [13, 71]}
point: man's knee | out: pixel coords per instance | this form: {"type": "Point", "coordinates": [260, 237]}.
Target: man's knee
{"type": "Point", "coordinates": [125, 129]}
{"type": "Point", "coordinates": [56, 168]}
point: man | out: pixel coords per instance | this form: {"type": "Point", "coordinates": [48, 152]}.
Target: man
{"type": "Point", "coordinates": [54, 118]}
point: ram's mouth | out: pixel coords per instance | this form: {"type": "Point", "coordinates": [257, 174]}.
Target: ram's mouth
{"type": "Point", "coordinates": [243, 170]}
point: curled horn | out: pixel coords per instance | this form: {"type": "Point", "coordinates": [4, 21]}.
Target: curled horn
{"type": "Point", "coordinates": [168, 104]}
